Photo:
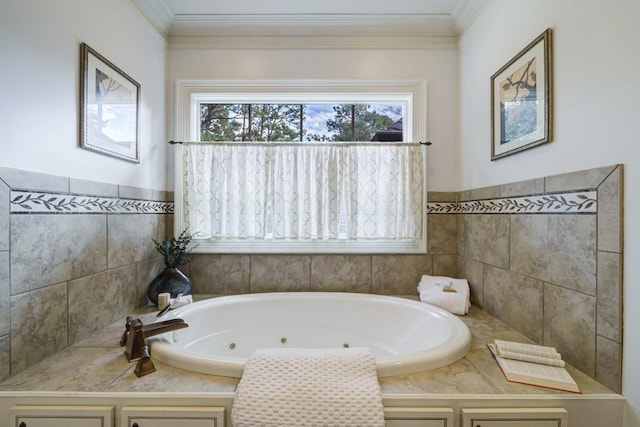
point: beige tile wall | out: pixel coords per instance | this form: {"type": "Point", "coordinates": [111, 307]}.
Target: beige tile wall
{"type": "Point", "coordinates": [64, 276]}
{"type": "Point", "coordinates": [555, 277]}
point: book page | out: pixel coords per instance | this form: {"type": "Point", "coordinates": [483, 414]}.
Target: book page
{"type": "Point", "coordinates": [531, 358]}
{"type": "Point", "coordinates": [536, 370]}
{"type": "Point", "coordinates": [532, 349]}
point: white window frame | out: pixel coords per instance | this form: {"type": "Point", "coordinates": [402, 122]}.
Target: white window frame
{"type": "Point", "coordinates": [412, 94]}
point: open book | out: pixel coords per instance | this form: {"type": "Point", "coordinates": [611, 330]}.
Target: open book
{"type": "Point", "coordinates": [532, 373]}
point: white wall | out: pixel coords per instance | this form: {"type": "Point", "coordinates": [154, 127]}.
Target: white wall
{"type": "Point", "coordinates": [437, 67]}
{"type": "Point", "coordinates": [596, 112]}
{"type": "Point", "coordinates": [39, 87]}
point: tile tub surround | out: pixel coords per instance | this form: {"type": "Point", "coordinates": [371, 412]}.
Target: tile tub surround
{"type": "Point", "coordinates": [74, 256]}
{"type": "Point", "coordinates": [553, 270]}
{"type": "Point", "coordinates": [465, 239]}
{"type": "Point", "coordinates": [544, 256]}
{"type": "Point", "coordinates": [97, 364]}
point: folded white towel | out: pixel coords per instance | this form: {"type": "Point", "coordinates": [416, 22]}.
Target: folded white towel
{"type": "Point", "coordinates": [309, 388]}
{"type": "Point", "coordinates": [447, 293]}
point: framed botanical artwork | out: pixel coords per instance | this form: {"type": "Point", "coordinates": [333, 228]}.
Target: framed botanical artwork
{"type": "Point", "coordinates": [521, 100]}
{"type": "Point", "coordinates": [109, 107]}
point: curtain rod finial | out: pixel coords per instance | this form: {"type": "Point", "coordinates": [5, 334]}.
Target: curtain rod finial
{"type": "Point", "coordinates": [428, 143]}
{"type": "Point", "coordinates": [172, 142]}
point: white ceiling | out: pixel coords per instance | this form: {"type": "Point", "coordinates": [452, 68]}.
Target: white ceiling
{"type": "Point", "coordinates": [215, 7]}
{"type": "Point", "coordinates": [179, 20]}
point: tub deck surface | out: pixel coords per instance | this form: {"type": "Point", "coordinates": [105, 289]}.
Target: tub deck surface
{"type": "Point", "coordinates": [98, 364]}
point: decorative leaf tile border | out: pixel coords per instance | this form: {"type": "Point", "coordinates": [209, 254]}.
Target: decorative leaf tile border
{"type": "Point", "coordinates": [28, 202]}
{"type": "Point", "coordinates": [579, 202]}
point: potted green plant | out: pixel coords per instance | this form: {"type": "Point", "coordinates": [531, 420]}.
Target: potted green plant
{"type": "Point", "coordinates": [175, 254]}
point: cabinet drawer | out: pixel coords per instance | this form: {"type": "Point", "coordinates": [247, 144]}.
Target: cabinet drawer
{"type": "Point", "coordinates": [161, 416]}
{"type": "Point", "coordinates": [515, 417]}
{"type": "Point", "coordinates": [418, 417]}
{"type": "Point", "coordinates": [61, 416]}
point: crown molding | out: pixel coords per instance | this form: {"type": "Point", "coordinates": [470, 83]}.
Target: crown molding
{"type": "Point", "coordinates": [313, 42]}
{"type": "Point", "coordinates": [157, 13]}
{"type": "Point", "coordinates": [312, 25]}
{"type": "Point", "coordinates": [466, 13]}
{"type": "Point", "coordinates": [314, 30]}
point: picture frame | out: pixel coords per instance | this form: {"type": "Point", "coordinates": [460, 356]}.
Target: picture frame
{"type": "Point", "coordinates": [109, 107]}
{"type": "Point", "coordinates": [521, 100]}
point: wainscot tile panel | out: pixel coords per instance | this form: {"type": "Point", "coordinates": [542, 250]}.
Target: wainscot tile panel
{"type": "Point", "coordinates": [580, 180]}
{"type": "Point", "coordinates": [48, 249]}
{"type": "Point", "coordinates": [4, 294]}
{"type": "Point", "coordinates": [473, 271]}
{"type": "Point", "coordinates": [610, 197]}
{"type": "Point", "coordinates": [92, 188]}
{"type": "Point", "coordinates": [441, 234]}
{"type": "Point", "coordinates": [445, 265]}
{"type": "Point", "coordinates": [4, 217]}
{"type": "Point", "coordinates": [130, 237]}
{"type": "Point", "coordinates": [341, 273]}
{"type": "Point", "coordinates": [565, 231]}
{"type": "Point", "coordinates": [54, 237]}
{"type": "Point", "coordinates": [100, 299]}
{"type": "Point", "coordinates": [609, 298]}
{"type": "Point", "coordinates": [38, 325]}
{"type": "Point", "coordinates": [461, 221]}
{"type": "Point", "coordinates": [442, 196]}
{"type": "Point", "coordinates": [522, 188]}
{"type": "Point", "coordinates": [220, 274]}
{"type": "Point", "coordinates": [570, 326]}
{"type": "Point", "coordinates": [609, 363]}
{"type": "Point", "coordinates": [559, 249]}
{"type": "Point", "coordinates": [399, 274]}
{"type": "Point", "coordinates": [514, 299]}
{"type": "Point", "coordinates": [280, 273]}
{"type": "Point", "coordinates": [18, 179]}
{"type": "Point", "coordinates": [146, 271]}
{"type": "Point", "coordinates": [484, 193]}
{"type": "Point", "coordinates": [486, 239]}
{"type": "Point", "coordinates": [5, 356]}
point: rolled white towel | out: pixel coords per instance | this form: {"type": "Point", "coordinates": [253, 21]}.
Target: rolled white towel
{"type": "Point", "coordinates": [453, 302]}
{"type": "Point", "coordinates": [429, 282]}
{"type": "Point", "coordinates": [445, 292]}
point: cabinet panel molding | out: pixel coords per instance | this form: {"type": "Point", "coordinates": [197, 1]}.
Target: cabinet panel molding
{"type": "Point", "coordinates": [61, 416]}
{"type": "Point", "coordinates": [515, 417]}
{"type": "Point", "coordinates": [419, 417]}
{"type": "Point", "coordinates": [171, 416]}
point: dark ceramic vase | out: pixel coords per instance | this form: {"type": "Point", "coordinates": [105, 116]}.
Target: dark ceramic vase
{"type": "Point", "coordinates": [169, 280]}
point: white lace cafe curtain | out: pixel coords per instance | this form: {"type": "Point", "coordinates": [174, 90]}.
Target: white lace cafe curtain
{"type": "Point", "coordinates": [303, 191]}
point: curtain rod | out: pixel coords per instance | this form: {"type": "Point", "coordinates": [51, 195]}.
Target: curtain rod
{"type": "Point", "coordinates": [294, 143]}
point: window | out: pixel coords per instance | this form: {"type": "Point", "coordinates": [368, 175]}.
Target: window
{"type": "Point", "coordinates": [300, 122]}
{"type": "Point", "coordinates": [272, 123]}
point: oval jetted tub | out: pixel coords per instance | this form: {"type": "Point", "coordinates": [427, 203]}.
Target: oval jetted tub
{"type": "Point", "coordinates": [404, 335]}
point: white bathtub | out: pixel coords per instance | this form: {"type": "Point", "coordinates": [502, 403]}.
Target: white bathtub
{"type": "Point", "coordinates": [405, 336]}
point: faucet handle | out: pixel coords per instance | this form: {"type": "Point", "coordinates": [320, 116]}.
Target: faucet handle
{"type": "Point", "coordinates": [135, 340]}
{"type": "Point", "coordinates": [145, 364]}
{"type": "Point", "coordinates": [125, 334]}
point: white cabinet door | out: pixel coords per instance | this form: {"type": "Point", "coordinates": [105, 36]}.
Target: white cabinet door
{"type": "Point", "coordinates": [61, 416]}
{"type": "Point", "coordinates": [161, 416]}
{"type": "Point", "coordinates": [515, 417]}
{"type": "Point", "coordinates": [418, 417]}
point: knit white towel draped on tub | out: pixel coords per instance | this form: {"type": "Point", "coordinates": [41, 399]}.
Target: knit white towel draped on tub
{"type": "Point", "coordinates": [309, 388]}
